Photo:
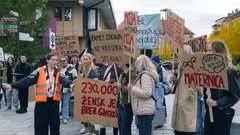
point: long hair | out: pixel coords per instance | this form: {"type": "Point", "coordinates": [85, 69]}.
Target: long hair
{"type": "Point", "coordinates": [144, 63]}
{"type": "Point", "coordinates": [9, 67]}
{"type": "Point", "coordinates": [219, 46]}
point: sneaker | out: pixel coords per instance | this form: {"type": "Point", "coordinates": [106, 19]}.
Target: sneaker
{"type": "Point", "coordinates": [8, 108]}
{"type": "Point", "coordinates": [15, 109]}
{"type": "Point", "coordinates": [83, 130]}
{"type": "Point", "coordinates": [65, 121]}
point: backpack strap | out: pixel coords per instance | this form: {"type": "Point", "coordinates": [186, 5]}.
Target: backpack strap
{"type": "Point", "coordinates": [140, 79]}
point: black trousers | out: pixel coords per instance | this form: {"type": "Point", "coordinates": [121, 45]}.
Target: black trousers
{"type": "Point", "coordinates": [184, 133]}
{"type": "Point", "coordinates": [222, 121]}
{"type": "Point", "coordinates": [47, 114]}
{"type": "Point", "coordinates": [23, 97]}
{"type": "Point", "coordinates": [103, 131]}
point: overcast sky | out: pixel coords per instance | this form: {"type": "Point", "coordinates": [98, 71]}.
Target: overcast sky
{"type": "Point", "coordinates": [199, 15]}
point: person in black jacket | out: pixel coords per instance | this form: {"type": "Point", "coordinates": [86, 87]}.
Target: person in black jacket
{"type": "Point", "coordinates": [23, 69]}
{"type": "Point", "coordinates": [48, 80]}
{"type": "Point", "coordinates": [221, 101]}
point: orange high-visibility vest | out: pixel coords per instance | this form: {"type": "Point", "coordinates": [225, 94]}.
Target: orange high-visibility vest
{"type": "Point", "coordinates": [41, 87]}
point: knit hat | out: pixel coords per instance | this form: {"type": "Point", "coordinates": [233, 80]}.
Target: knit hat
{"type": "Point", "coordinates": [156, 59]}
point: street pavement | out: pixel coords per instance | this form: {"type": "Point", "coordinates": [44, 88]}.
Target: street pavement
{"type": "Point", "coordinates": [12, 123]}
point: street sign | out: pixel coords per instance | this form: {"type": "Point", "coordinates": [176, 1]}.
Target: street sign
{"type": "Point", "coordinates": [9, 30]}
{"type": "Point", "coordinates": [8, 19]}
{"type": "Point", "coordinates": [14, 13]}
{"type": "Point", "coordinates": [21, 34]}
{"type": "Point", "coordinates": [52, 40]}
{"type": "Point", "coordinates": [32, 22]}
{"type": "Point", "coordinates": [9, 26]}
{"type": "Point", "coordinates": [26, 38]}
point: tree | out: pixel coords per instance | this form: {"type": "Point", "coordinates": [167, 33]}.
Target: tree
{"type": "Point", "coordinates": [229, 32]}
{"type": "Point", "coordinates": [27, 11]}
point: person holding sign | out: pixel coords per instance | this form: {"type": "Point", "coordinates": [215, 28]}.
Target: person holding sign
{"type": "Point", "coordinates": [124, 108]}
{"type": "Point", "coordinates": [108, 74]}
{"type": "Point", "coordinates": [142, 94]}
{"type": "Point", "coordinates": [88, 71]}
{"type": "Point", "coordinates": [221, 101]}
{"type": "Point", "coordinates": [48, 82]}
{"type": "Point", "coordinates": [184, 115]}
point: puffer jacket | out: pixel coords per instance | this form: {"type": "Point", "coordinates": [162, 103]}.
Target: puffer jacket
{"type": "Point", "coordinates": [142, 103]}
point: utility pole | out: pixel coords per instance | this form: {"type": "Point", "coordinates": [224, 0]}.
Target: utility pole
{"type": "Point", "coordinates": [15, 14]}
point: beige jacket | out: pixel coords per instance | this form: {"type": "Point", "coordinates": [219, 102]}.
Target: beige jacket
{"type": "Point", "coordinates": [142, 103]}
{"type": "Point", "coordinates": [184, 114]}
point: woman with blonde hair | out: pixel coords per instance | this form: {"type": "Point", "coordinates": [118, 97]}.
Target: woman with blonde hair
{"type": "Point", "coordinates": [221, 101]}
{"type": "Point", "coordinates": [87, 71]}
{"type": "Point", "coordinates": [142, 91]}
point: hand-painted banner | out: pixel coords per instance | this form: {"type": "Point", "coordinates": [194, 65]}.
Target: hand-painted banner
{"type": "Point", "coordinates": [199, 44]}
{"type": "Point", "coordinates": [175, 32]}
{"type": "Point", "coordinates": [108, 46]}
{"type": "Point", "coordinates": [148, 31]}
{"type": "Point", "coordinates": [95, 102]}
{"type": "Point", "coordinates": [66, 45]}
{"type": "Point", "coordinates": [130, 34]}
{"type": "Point", "coordinates": [205, 70]}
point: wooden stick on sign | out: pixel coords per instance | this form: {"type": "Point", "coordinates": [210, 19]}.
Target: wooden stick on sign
{"type": "Point", "coordinates": [209, 107]}
{"type": "Point", "coordinates": [115, 69]}
{"type": "Point", "coordinates": [173, 59]}
{"type": "Point", "coordinates": [129, 80]}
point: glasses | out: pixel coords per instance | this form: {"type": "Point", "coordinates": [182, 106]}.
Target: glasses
{"type": "Point", "coordinates": [63, 60]}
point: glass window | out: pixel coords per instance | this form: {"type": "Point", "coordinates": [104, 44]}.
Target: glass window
{"type": "Point", "coordinates": [58, 13]}
{"type": "Point", "coordinates": [92, 19]}
{"type": "Point", "coordinates": [68, 14]}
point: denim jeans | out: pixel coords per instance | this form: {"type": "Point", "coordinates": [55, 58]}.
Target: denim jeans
{"type": "Point", "coordinates": [12, 98]}
{"type": "Point", "coordinates": [125, 118]}
{"type": "Point", "coordinates": [200, 116]}
{"type": "Point", "coordinates": [65, 105]}
{"type": "Point", "coordinates": [145, 124]}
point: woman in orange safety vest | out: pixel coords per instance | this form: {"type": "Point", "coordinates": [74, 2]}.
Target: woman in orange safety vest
{"type": "Point", "coordinates": [48, 80]}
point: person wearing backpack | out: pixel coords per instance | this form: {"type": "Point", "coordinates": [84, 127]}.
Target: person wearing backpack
{"type": "Point", "coordinates": [163, 79]}
{"type": "Point", "coordinates": [184, 115]}
{"type": "Point", "coordinates": [143, 105]}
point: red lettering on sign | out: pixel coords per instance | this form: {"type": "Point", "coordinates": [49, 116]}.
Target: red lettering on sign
{"type": "Point", "coordinates": [204, 80]}
{"type": "Point", "coordinates": [112, 103]}
{"type": "Point", "coordinates": [128, 39]}
{"type": "Point", "coordinates": [130, 19]}
{"type": "Point", "coordinates": [88, 110]}
{"type": "Point", "coordinates": [107, 113]}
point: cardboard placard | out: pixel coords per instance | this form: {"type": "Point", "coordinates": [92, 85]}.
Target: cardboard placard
{"type": "Point", "coordinates": [95, 102]}
{"type": "Point", "coordinates": [148, 31]}
{"type": "Point", "coordinates": [175, 32]}
{"type": "Point", "coordinates": [31, 92]}
{"type": "Point", "coordinates": [205, 70]}
{"type": "Point", "coordinates": [66, 45]}
{"type": "Point", "coordinates": [108, 46]}
{"type": "Point", "coordinates": [198, 44]}
{"type": "Point", "coordinates": [130, 33]}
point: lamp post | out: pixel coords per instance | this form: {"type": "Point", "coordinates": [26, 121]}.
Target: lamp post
{"type": "Point", "coordinates": [16, 14]}
{"type": "Point", "coordinates": [164, 31]}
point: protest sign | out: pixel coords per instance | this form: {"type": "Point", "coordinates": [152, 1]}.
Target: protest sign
{"type": "Point", "coordinates": [108, 46]}
{"type": "Point", "coordinates": [66, 45]}
{"type": "Point", "coordinates": [130, 33]}
{"type": "Point", "coordinates": [175, 32]}
{"type": "Point", "coordinates": [198, 44]}
{"type": "Point", "coordinates": [205, 70]}
{"type": "Point", "coordinates": [148, 31]}
{"type": "Point", "coordinates": [95, 102]}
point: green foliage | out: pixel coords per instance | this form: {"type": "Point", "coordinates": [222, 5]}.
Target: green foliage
{"type": "Point", "coordinates": [229, 33]}
{"type": "Point", "coordinates": [238, 69]}
{"type": "Point", "coordinates": [26, 9]}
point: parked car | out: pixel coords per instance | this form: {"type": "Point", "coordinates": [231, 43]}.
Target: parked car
{"type": "Point", "coordinates": [168, 64]}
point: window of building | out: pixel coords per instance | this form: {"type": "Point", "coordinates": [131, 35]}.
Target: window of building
{"type": "Point", "coordinates": [58, 13]}
{"type": "Point", "coordinates": [92, 19]}
{"type": "Point", "coordinates": [68, 14]}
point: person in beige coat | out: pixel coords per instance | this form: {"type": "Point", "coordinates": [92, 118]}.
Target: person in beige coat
{"type": "Point", "coordinates": [184, 114]}
{"type": "Point", "coordinates": [142, 90]}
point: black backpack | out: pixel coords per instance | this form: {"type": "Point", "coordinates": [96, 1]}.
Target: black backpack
{"type": "Point", "coordinates": [159, 71]}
